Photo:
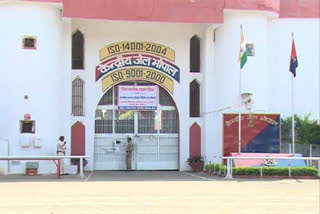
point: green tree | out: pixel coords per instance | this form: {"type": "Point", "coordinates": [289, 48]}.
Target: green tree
{"type": "Point", "coordinates": [307, 131]}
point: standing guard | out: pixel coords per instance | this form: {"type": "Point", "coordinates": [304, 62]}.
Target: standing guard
{"type": "Point", "coordinates": [129, 150]}
{"type": "Point", "coordinates": [61, 151]}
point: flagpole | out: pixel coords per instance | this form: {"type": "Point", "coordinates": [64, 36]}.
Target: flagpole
{"type": "Point", "coordinates": [239, 116]}
{"type": "Point", "coordinates": [240, 113]}
{"type": "Point", "coordinates": [292, 100]}
{"type": "Point", "coordinates": [292, 103]}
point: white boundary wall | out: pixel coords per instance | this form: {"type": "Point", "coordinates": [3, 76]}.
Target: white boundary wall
{"type": "Point", "coordinates": [45, 74]}
{"type": "Point", "coordinates": [40, 74]}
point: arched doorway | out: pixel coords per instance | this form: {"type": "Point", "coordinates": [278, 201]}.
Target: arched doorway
{"type": "Point", "coordinates": [154, 133]}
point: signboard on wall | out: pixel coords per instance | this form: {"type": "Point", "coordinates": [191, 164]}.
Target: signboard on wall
{"type": "Point", "coordinates": [132, 60]}
{"type": "Point", "coordinates": [137, 97]}
{"type": "Point", "coordinates": [260, 133]}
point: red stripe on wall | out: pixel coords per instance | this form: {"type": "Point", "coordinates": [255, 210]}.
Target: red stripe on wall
{"type": "Point", "coordinates": [78, 139]}
{"type": "Point", "coordinates": [194, 11]}
{"type": "Point", "coordinates": [300, 9]}
{"type": "Point", "coordinates": [265, 5]}
{"type": "Point", "coordinates": [186, 11]}
{"type": "Point", "coordinates": [195, 140]}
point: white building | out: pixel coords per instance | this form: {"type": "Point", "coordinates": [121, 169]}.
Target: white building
{"type": "Point", "coordinates": [51, 49]}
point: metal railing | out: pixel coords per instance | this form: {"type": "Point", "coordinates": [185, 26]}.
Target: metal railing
{"type": "Point", "coordinates": [229, 162]}
{"type": "Point", "coordinates": [53, 158]}
{"type": "Point", "coordinates": [307, 150]}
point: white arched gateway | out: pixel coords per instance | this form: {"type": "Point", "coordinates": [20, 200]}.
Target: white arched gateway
{"type": "Point", "coordinates": [154, 133]}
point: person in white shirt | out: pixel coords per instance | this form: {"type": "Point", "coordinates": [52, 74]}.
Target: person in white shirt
{"type": "Point", "coordinates": [61, 151]}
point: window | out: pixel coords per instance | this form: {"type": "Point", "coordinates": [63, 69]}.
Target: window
{"type": "Point", "coordinates": [108, 119]}
{"type": "Point", "coordinates": [146, 122]}
{"type": "Point", "coordinates": [195, 54]}
{"type": "Point", "coordinates": [29, 42]}
{"type": "Point", "coordinates": [165, 98]}
{"type": "Point", "coordinates": [77, 50]}
{"type": "Point", "coordinates": [77, 97]}
{"type": "Point", "coordinates": [124, 121]}
{"type": "Point", "coordinates": [27, 126]}
{"type": "Point", "coordinates": [194, 99]}
{"type": "Point", "coordinates": [107, 98]}
{"type": "Point", "coordinates": [103, 121]}
{"type": "Point", "coordinates": [169, 122]}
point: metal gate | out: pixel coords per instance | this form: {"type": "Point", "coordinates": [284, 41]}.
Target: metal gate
{"type": "Point", "coordinates": [150, 152]}
{"type": "Point", "coordinates": [154, 134]}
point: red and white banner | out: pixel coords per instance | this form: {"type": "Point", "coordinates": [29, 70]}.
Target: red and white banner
{"type": "Point", "coordinates": [137, 97]}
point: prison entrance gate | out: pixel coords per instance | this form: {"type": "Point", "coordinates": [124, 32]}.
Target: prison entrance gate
{"type": "Point", "coordinates": [154, 134]}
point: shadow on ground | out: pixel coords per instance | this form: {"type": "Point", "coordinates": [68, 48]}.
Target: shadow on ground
{"type": "Point", "coordinates": [124, 176]}
{"type": "Point", "coordinates": [115, 176]}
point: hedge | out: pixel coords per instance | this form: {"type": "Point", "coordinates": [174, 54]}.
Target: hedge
{"type": "Point", "coordinates": [299, 171]}
{"type": "Point", "coordinates": [217, 168]}
{"type": "Point", "coordinates": [269, 171]}
{"type": "Point", "coordinates": [246, 171]}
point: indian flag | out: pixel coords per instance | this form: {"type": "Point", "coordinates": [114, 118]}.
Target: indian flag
{"type": "Point", "coordinates": [243, 52]}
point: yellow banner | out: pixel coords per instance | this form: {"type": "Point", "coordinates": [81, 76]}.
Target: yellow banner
{"type": "Point", "coordinates": [134, 46]}
{"type": "Point", "coordinates": [137, 73]}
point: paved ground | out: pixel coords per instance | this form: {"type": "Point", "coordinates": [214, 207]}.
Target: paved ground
{"type": "Point", "coordinates": [156, 192]}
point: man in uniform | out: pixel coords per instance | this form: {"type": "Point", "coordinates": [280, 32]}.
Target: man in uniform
{"type": "Point", "coordinates": [129, 150]}
{"type": "Point", "coordinates": [61, 151]}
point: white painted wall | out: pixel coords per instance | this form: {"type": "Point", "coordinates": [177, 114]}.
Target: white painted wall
{"type": "Point", "coordinates": [208, 135]}
{"type": "Point", "coordinates": [45, 74]}
{"type": "Point", "coordinates": [266, 75]}
{"type": "Point", "coordinates": [176, 36]}
{"type": "Point", "coordinates": [3, 152]}
{"type": "Point", "coordinates": [226, 73]}
{"type": "Point", "coordinates": [306, 33]}
{"type": "Point", "coordinates": [41, 74]}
